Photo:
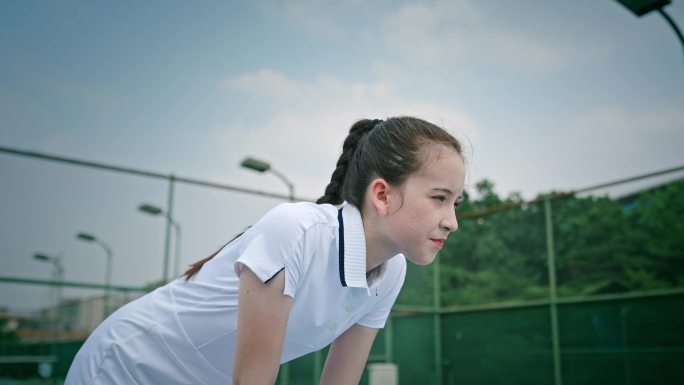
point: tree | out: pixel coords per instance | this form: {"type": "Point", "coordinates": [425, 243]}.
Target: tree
{"type": "Point", "coordinates": [591, 246]}
{"type": "Point", "coordinates": [500, 250]}
{"type": "Point", "coordinates": [657, 232]}
{"type": "Point", "coordinates": [496, 256]}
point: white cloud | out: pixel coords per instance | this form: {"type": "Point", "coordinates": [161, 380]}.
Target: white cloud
{"type": "Point", "coordinates": [266, 83]}
{"type": "Point", "coordinates": [449, 33]}
{"type": "Point", "coordinates": [444, 33]}
{"type": "Point", "coordinates": [628, 130]}
{"type": "Point", "coordinates": [607, 143]}
{"type": "Point", "coordinates": [429, 33]}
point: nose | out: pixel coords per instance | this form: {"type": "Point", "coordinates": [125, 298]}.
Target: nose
{"type": "Point", "coordinates": [449, 222]}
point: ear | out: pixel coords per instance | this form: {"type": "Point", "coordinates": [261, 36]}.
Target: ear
{"type": "Point", "coordinates": [378, 196]}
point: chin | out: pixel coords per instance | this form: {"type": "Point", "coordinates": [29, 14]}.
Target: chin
{"type": "Point", "coordinates": [423, 261]}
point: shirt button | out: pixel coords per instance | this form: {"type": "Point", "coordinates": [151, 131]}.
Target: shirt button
{"type": "Point", "coordinates": [350, 308]}
{"type": "Point", "coordinates": [332, 327]}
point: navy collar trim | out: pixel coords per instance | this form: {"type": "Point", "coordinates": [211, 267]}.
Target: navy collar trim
{"type": "Point", "coordinates": [340, 219]}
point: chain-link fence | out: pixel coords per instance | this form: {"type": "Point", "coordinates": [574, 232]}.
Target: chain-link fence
{"type": "Point", "coordinates": [570, 288]}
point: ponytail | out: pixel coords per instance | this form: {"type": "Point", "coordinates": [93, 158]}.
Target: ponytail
{"type": "Point", "coordinates": [195, 267]}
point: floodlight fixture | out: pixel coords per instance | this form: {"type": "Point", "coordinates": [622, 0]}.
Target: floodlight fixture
{"type": "Point", "coordinates": [150, 209]}
{"type": "Point", "coordinates": [263, 166]}
{"type": "Point", "coordinates": [256, 164]}
{"type": "Point", "coordinates": [41, 257]}
{"type": "Point", "coordinates": [642, 7]}
{"type": "Point", "coordinates": [86, 237]}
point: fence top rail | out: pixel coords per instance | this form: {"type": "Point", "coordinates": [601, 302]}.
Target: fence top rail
{"type": "Point", "coordinates": [26, 359]}
{"type": "Point", "coordinates": [82, 285]}
{"type": "Point", "coordinates": [172, 177]}
{"type": "Point", "coordinates": [403, 310]}
{"type": "Point", "coordinates": [145, 173]}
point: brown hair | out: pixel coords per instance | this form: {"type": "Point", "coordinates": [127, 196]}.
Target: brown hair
{"type": "Point", "coordinates": [195, 267]}
{"type": "Point", "coordinates": [389, 149]}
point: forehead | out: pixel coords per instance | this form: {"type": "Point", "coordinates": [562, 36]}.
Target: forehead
{"type": "Point", "coordinates": [435, 153]}
{"type": "Point", "coordinates": [442, 167]}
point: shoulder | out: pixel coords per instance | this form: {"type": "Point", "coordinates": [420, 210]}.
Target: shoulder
{"type": "Point", "coordinates": [289, 222]}
{"type": "Point", "coordinates": [304, 211]}
{"type": "Point", "coordinates": [300, 215]}
{"type": "Point", "coordinates": [287, 236]}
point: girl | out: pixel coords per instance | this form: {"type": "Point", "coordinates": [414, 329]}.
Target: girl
{"type": "Point", "coordinates": [304, 276]}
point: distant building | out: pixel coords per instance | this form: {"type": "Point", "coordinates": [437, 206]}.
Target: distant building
{"type": "Point", "coordinates": [73, 319]}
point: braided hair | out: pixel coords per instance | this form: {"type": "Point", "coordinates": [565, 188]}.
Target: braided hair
{"type": "Point", "coordinates": [357, 132]}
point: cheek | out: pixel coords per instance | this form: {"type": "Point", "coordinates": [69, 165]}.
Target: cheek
{"type": "Point", "coordinates": [419, 218]}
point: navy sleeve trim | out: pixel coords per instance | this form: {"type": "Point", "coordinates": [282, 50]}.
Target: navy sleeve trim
{"type": "Point", "coordinates": [269, 280]}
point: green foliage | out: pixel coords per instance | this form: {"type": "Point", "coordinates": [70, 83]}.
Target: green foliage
{"type": "Point", "coordinates": [601, 246]}
{"type": "Point", "coordinates": [592, 245]}
{"type": "Point", "coordinates": [657, 229]}
{"type": "Point", "coordinates": [495, 257]}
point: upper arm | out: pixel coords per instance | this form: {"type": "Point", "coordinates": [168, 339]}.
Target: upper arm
{"type": "Point", "coordinates": [263, 311]}
{"type": "Point", "coordinates": [348, 355]}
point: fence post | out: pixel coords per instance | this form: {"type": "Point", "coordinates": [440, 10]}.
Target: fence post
{"type": "Point", "coordinates": [317, 366]}
{"type": "Point", "coordinates": [551, 264]}
{"type": "Point", "coordinates": [389, 340]}
{"type": "Point", "coordinates": [437, 321]}
{"type": "Point", "coordinates": [169, 211]}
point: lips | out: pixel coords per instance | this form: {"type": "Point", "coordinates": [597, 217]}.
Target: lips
{"type": "Point", "coordinates": [438, 242]}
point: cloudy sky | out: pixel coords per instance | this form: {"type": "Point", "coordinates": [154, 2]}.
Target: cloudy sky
{"type": "Point", "coordinates": [545, 95]}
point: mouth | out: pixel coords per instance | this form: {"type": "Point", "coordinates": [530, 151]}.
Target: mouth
{"type": "Point", "coordinates": [438, 242]}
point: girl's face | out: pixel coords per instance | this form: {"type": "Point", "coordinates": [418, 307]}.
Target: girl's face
{"type": "Point", "coordinates": [421, 212]}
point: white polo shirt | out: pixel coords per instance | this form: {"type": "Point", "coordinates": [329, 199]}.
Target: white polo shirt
{"type": "Point", "coordinates": [185, 332]}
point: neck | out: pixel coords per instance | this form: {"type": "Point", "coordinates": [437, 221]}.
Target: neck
{"type": "Point", "coordinates": [377, 250]}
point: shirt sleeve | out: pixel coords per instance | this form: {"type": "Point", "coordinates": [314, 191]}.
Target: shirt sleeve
{"type": "Point", "coordinates": [391, 286]}
{"type": "Point", "coordinates": [275, 243]}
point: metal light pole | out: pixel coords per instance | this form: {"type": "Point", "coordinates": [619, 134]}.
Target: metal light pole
{"type": "Point", "coordinates": [154, 210]}
{"type": "Point", "coordinates": [263, 166]}
{"type": "Point", "coordinates": [642, 7]}
{"type": "Point", "coordinates": [58, 276]}
{"type": "Point", "coordinates": [108, 269]}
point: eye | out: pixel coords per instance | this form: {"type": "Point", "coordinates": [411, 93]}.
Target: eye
{"type": "Point", "coordinates": [440, 198]}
